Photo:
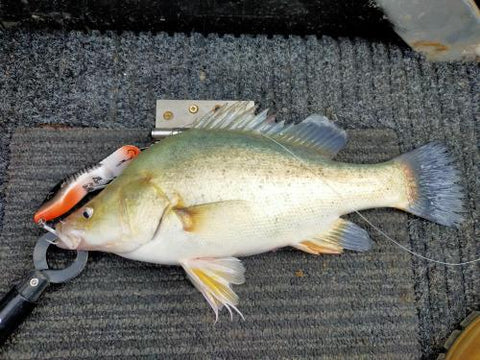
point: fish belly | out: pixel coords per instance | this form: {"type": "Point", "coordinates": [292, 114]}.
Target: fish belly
{"type": "Point", "coordinates": [248, 235]}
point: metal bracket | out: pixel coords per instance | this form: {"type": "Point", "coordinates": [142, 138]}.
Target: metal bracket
{"type": "Point", "coordinates": [174, 115]}
{"type": "Point", "coordinates": [443, 30]}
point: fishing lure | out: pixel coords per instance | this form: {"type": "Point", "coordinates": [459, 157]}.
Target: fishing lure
{"type": "Point", "coordinates": [69, 192]}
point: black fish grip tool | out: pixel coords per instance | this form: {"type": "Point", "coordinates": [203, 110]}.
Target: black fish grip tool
{"type": "Point", "coordinates": [19, 302]}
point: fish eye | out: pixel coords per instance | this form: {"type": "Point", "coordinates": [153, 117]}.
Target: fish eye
{"type": "Point", "coordinates": [87, 213]}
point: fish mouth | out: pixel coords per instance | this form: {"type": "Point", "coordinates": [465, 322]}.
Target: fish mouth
{"type": "Point", "coordinates": [69, 240]}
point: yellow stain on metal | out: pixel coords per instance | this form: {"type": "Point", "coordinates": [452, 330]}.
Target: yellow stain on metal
{"type": "Point", "coordinates": [193, 109]}
{"type": "Point", "coordinates": [168, 115]}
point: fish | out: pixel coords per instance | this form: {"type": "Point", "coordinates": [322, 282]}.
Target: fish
{"type": "Point", "coordinates": [237, 184]}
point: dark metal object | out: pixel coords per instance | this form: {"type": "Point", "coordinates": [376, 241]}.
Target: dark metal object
{"type": "Point", "coordinates": [19, 302]}
{"type": "Point", "coordinates": [57, 276]}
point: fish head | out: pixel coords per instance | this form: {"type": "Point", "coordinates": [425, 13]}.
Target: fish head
{"type": "Point", "coordinates": [119, 220]}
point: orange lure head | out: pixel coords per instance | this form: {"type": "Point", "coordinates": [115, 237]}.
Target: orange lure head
{"type": "Point", "coordinates": [75, 187]}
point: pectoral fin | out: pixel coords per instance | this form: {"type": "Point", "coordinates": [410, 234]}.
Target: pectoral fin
{"type": "Point", "coordinates": [212, 217]}
{"type": "Point", "coordinates": [212, 277]}
{"type": "Point", "coordinates": [342, 235]}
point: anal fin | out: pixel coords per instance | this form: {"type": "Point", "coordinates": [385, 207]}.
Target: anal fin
{"type": "Point", "coordinates": [342, 235]}
{"type": "Point", "coordinates": [212, 277]}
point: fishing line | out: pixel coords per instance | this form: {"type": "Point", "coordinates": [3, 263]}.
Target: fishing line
{"type": "Point", "coordinates": [380, 231]}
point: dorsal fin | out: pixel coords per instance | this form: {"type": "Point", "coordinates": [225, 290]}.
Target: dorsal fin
{"type": "Point", "coordinates": [316, 131]}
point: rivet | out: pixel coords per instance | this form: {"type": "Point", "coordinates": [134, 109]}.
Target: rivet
{"type": "Point", "coordinates": [193, 109]}
{"type": "Point", "coordinates": [168, 115]}
{"type": "Point", "coordinates": [34, 282]}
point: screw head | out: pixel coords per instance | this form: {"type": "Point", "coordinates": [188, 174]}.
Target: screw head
{"type": "Point", "coordinates": [193, 109]}
{"type": "Point", "coordinates": [34, 282]}
{"type": "Point", "coordinates": [168, 115]}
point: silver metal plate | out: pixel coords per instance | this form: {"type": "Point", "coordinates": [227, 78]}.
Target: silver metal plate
{"type": "Point", "coordinates": [173, 114]}
{"type": "Point", "coordinates": [442, 30]}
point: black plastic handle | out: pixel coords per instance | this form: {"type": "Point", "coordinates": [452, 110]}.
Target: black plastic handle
{"type": "Point", "coordinates": [19, 302]}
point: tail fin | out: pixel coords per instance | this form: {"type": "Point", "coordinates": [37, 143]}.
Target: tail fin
{"type": "Point", "coordinates": [432, 185]}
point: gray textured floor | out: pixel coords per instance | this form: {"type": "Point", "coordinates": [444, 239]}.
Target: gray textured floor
{"type": "Point", "coordinates": [112, 81]}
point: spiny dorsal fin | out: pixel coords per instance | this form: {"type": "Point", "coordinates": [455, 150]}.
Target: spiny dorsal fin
{"type": "Point", "coordinates": [342, 235]}
{"type": "Point", "coordinates": [316, 131]}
